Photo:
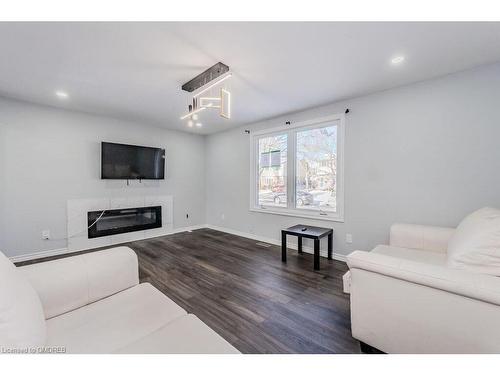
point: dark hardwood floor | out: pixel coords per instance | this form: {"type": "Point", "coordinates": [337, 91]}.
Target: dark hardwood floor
{"type": "Point", "coordinates": [246, 294]}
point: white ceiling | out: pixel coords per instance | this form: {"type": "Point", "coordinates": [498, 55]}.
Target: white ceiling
{"type": "Point", "coordinates": [134, 70]}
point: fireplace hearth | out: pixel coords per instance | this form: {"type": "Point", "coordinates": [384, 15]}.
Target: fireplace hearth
{"type": "Point", "coordinates": [123, 220]}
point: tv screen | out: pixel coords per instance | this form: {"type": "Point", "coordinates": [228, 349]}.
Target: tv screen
{"type": "Point", "coordinates": [127, 162]}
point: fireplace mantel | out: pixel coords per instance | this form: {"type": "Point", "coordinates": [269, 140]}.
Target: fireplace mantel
{"type": "Point", "coordinates": [77, 220]}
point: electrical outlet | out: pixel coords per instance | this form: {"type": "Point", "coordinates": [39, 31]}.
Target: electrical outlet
{"type": "Point", "coordinates": [45, 234]}
{"type": "Point", "coordinates": [348, 238]}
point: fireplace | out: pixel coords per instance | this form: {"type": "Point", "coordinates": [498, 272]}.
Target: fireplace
{"type": "Point", "coordinates": [123, 220]}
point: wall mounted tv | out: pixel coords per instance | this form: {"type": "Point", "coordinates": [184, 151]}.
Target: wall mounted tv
{"type": "Point", "coordinates": [128, 162]}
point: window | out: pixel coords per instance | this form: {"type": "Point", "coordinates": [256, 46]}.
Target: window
{"type": "Point", "coordinates": [297, 170]}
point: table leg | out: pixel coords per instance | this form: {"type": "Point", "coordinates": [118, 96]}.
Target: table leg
{"type": "Point", "coordinates": [330, 246]}
{"type": "Point", "coordinates": [283, 246]}
{"type": "Point", "coordinates": [316, 254]}
{"type": "Point", "coordinates": [299, 240]}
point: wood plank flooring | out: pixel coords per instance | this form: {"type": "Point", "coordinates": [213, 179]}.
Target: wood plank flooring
{"type": "Point", "coordinates": [246, 294]}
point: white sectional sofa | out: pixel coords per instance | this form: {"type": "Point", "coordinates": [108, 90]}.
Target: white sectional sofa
{"type": "Point", "coordinates": [404, 298]}
{"type": "Point", "coordinates": [93, 303]}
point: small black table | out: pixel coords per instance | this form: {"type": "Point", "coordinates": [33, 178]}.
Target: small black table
{"type": "Point", "coordinates": [307, 231]}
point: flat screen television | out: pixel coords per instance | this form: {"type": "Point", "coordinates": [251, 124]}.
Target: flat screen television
{"type": "Point", "coordinates": [127, 162]}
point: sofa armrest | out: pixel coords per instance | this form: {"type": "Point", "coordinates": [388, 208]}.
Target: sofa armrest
{"type": "Point", "coordinates": [422, 237]}
{"type": "Point", "coordinates": [472, 285]}
{"type": "Point", "coordinates": [69, 283]}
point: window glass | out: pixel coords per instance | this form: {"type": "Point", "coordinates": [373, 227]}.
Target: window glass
{"type": "Point", "coordinates": [316, 169]}
{"type": "Point", "coordinates": [272, 171]}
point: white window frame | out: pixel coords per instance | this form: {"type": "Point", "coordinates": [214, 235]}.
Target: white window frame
{"type": "Point", "coordinates": [291, 131]}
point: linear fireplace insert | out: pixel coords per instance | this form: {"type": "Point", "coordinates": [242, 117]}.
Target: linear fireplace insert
{"type": "Point", "coordinates": [123, 220]}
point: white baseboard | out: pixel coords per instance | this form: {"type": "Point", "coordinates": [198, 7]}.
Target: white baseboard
{"type": "Point", "coordinates": [187, 229]}
{"type": "Point", "coordinates": [41, 254]}
{"type": "Point", "coordinates": [65, 250]}
{"type": "Point", "coordinates": [306, 249]}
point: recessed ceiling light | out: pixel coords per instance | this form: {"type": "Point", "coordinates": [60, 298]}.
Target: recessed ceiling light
{"type": "Point", "coordinates": [397, 60]}
{"type": "Point", "coordinates": [199, 125]}
{"type": "Point", "coordinates": [62, 94]}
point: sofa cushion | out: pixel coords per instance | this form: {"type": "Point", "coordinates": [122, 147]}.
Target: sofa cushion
{"type": "Point", "coordinates": [184, 335]}
{"type": "Point", "coordinates": [475, 245]}
{"type": "Point", "coordinates": [422, 237]}
{"type": "Point", "coordinates": [485, 288]}
{"type": "Point", "coordinates": [69, 283]}
{"type": "Point", "coordinates": [421, 256]}
{"type": "Point", "coordinates": [22, 322]}
{"type": "Point", "coordinates": [112, 322]}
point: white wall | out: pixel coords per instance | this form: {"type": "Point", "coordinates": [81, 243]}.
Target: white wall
{"type": "Point", "coordinates": [425, 153]}
{"type": "Point", "coordinates": [48, 156]}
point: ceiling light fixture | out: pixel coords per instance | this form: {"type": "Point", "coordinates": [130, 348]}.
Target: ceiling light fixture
{"type": "Point", "coordinates": [199, 125]}
{"type": "Point", "coordinates": [209, 98]}
{"type": "Point", "coordinates": [61, 94]}
{"type": "Point", "coordinates": [214, 72]}
{"type": "Point", "coordinates": [225, 106]}
{"type": "Point", "coordinates": [228, 75]}
{"type": "Point", "coordinates": [216, 97]}
{"type": "Point", "coordinates": [209, 102]}
{"type": "Point", "coordinates": [397, 60]}
{"type": "Point", "coordinates": [192, 113]}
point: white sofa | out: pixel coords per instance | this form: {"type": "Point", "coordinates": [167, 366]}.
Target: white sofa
{"type": "Point", "coordinates": [404, 299]}
{"type": "Point", "coordinates": [93, 303]}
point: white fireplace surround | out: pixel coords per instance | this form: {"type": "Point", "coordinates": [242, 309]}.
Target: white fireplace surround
{"type": "Point", "coordinates": [77, 210]}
